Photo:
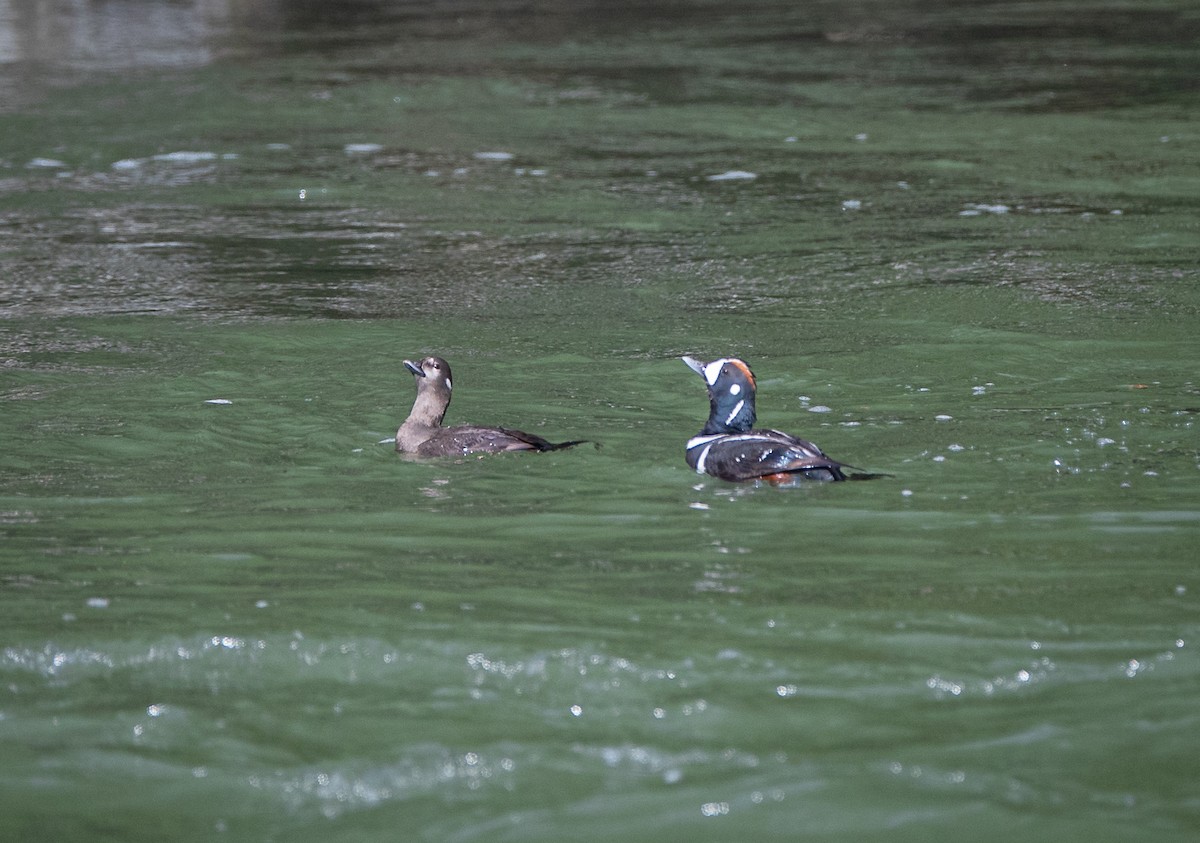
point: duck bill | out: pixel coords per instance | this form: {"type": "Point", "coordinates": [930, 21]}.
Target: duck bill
{"type": "Point", "coordinates": [414, 368]}
{"type": "Point", "coordinates": [695, 365]}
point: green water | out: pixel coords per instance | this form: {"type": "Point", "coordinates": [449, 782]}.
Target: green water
{"type": "Point", "coordinates": [967, 258]}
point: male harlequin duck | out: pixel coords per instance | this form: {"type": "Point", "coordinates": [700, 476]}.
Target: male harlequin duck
{"type": "Point", "coordinates": [730, 448]}
{"type": "Point", "coordinates": [422, 432]}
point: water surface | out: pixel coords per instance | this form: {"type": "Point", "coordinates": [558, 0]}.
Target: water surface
{"type": "Point", "coordinates": [956, 243]}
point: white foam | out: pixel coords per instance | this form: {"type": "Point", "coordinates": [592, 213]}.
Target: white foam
{"type": "Point", "coordinates": [734, 175]}
{"type": "Point", "coordinates": [186, 157]}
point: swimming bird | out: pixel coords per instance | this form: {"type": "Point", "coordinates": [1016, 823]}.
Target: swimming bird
{"type": "Point", "coordinates": [422, 432]}
{"type": "Point", "coordinates": [731, 448]}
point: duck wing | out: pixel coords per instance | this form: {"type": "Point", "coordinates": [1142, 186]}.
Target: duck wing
{"type": "Point", "coordinates": [759, 454]}
{"type": "Point", "coordinates": [469, 439]}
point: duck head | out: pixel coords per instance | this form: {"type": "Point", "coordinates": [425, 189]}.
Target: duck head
{"type": "Point", "coordinates": [730, 394]}
{"type": "Point", "coordinates": [433, 389]}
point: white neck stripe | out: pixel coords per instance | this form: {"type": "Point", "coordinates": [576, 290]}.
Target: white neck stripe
{"type": "Point", "coordinates": [737, 408]}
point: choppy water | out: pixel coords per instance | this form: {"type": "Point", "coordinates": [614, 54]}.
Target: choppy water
{"type": "Point", "coordinates": [956, 242]}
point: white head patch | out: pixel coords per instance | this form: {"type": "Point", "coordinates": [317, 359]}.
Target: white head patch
{"type": "Point", "coordinates": [713, 370]}
{"type": "Point", "coordinates": [735, 389]}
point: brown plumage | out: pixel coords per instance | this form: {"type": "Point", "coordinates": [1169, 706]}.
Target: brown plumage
{"type": "Point", "coordinates": [422, 432]}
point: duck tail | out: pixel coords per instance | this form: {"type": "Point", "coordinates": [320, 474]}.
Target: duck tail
{"type": "Point", "coordinates": [559, 446]}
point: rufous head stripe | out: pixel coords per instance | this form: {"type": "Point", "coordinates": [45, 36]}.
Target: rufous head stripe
{"type": "Point", "coordinates": [745, 369]}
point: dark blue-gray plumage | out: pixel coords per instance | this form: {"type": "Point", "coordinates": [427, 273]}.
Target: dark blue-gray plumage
{"type": "Point", "coordinates": [731, 448]}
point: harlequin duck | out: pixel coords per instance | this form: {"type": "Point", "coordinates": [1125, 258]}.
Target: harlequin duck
{"type": "Point", "coordinates": [730, 448]}
{"type": "Point", "coordinates": [422, 432]}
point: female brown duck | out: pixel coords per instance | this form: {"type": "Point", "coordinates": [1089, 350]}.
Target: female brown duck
{"type": "Point", "coordinates": [422, 432]}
